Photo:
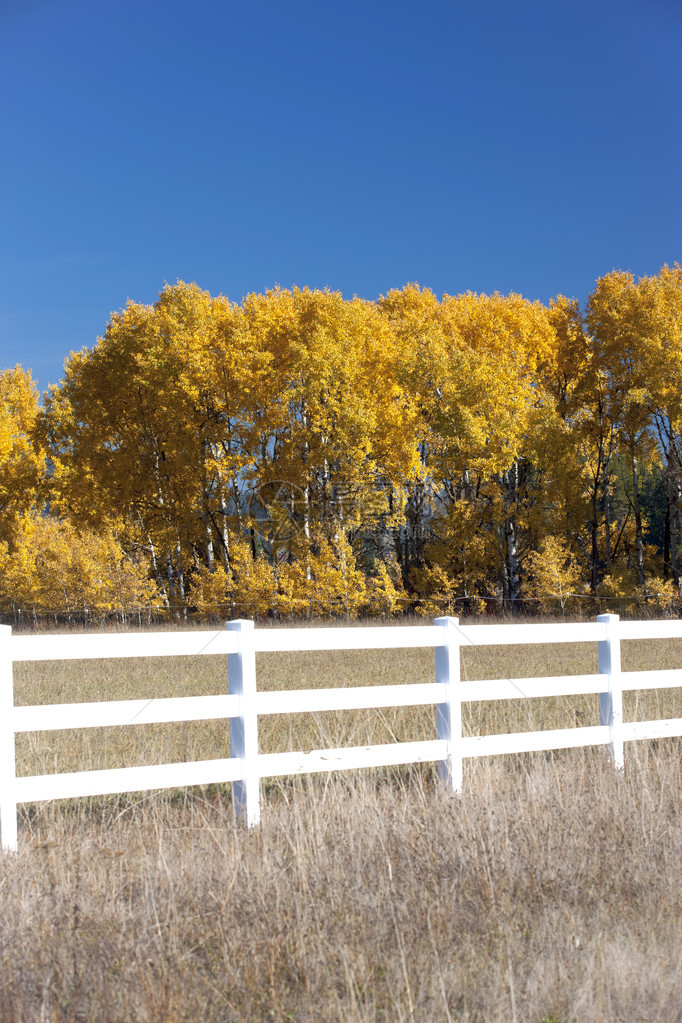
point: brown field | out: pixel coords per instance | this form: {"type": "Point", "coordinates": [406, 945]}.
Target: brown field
{"type": "Point", "coordinates": [549, 891]}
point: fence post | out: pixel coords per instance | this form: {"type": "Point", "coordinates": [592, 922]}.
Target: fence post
{"type": "Point", "coordinates": [611, 702]}
{"type": "Point", "coordinates": [241, 677]}
{"type": "Point", "coordinates": [449, 713]}
{"type": "Point", "coordinates": [8, 803]}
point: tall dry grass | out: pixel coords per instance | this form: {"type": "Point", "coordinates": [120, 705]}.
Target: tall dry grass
{"type": "Point", "coordinates": [549, 891]}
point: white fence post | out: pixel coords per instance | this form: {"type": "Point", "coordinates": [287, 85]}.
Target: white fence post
{"type": "Point", "coordinates": [611, 702]}
{"type": "Point", "coordinates": [449, 714]}
{"type": "Point", "coordinates": [8, 802]}
{"type": "Point", "coordinates": [241, 676]}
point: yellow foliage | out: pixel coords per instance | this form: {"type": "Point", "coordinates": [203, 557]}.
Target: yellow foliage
{"type": "Point", "coordinates": [619, 585]}
{"type": "Point", "coordinates": [304, 420]}
{"type": "Point", "coordinates": [660, 594]}
{"type": "Point", "coordinates": [385, 593]}
{"type": "Point", "coordinates": [210, 592]}
{"type": "Point", "coordinates": [556, 575]}
{"type": "Point", "coordinates": [322, 581]}
{"type": "Point", "coordinates": [22, 463]}
{"type": "Point", "coordinates": [462, 550]}
{"type": "Point", "coordinates": [437, 591]}
{"type": "Point", "coordinates": [327, 579]}
{"type": "Point", "coordinates": [620, 589]}
{"type": "Point", "coordinates": [253, 583]}
{"type": "Point", "coordinates": [51, 567]}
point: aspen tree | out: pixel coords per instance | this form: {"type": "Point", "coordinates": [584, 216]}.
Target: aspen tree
{"type": "Point", "coordinates": [49, 567]}
{"type": "Point", "coordinates": [22, 461]}
{"type": "Point", "coordinates": [626, 353]}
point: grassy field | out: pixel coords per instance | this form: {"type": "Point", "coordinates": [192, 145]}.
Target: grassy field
{"type": "Point", "coordinates": [549, 891]}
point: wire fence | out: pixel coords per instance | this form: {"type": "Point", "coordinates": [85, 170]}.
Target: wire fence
{"type": "Point", "coordinates": [576, 607]}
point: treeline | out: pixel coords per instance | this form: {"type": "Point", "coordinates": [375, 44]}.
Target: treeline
{"type": "Point", "coordinates": [301, 454]}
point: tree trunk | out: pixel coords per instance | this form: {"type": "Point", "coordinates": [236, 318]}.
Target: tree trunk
{"type": "Point", "coordinates": [514, 566]}
{"type": "Point", "coordinates": [181, 580]}
{"type": "Point", "coordinates": [157, 574]}
{"type": "Point", "coordinates": [415, 526]}
{"type": "Point", "coordinates": [639, 538]}
{"type": "Point", "coordinates": [210, 550]}
{"type": "Point", "coordinates": [397, 539]}
{"type": "Point", "coordinates": [171, 585]}
{"type": "Point", "coordinates": [607, 525]}
{"type": "Point", "coordinates": [672, 519]}
{"type": "Point", "coordinates": [594, 536]}
{"type": "Point", "coordinates": [506, 589]}
{"type": "Point", "coordinates": [675, 542]}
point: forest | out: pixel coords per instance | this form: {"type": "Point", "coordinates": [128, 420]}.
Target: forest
{"type": "Point", "coordinates": [302, 455]}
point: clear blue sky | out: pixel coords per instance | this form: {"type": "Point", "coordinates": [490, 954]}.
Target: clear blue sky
{"type": "Point", "coordinates": [509, 145]}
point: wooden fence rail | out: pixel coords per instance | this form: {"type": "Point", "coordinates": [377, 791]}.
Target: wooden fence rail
{"type": "Point", "coordinates": [243, 704]}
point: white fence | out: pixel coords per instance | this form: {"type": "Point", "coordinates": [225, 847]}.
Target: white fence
{"type": "Point", "coordinates": [243, 704]}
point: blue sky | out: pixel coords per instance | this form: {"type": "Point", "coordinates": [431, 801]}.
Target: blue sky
{"type": "Point", "coordinates": [524, 146]}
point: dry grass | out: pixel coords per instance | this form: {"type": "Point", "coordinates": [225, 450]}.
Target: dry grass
{"type": "Point", "coordinates": [548, 892]}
